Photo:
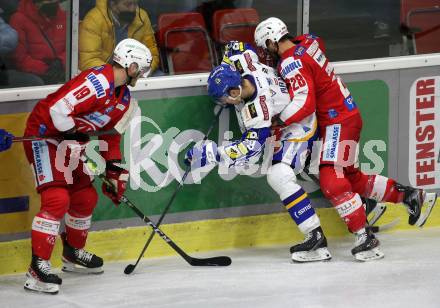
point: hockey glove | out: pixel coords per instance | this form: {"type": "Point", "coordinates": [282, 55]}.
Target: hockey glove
{"type": "Point", "coordinates": [118, 178]}
{"type": "Point", "coordinates": [73, 134]}
{"type": "Point", "coordinates": [202, 155]}
{"type": "Point", "coordinates": [76, 142]}
{"type": "Point", "coordinates": [5, 140]}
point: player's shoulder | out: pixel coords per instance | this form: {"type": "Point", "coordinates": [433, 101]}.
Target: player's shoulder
{"type": "Point", "coordinates": [98, 79]}
{"type": "Point", "coordinates": [307, 44]}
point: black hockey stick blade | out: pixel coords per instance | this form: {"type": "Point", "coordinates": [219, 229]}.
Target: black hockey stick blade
{"type": "Point", "coordinates": [214, 261]}
{"type": "Point", "coordinates": [384, 227]}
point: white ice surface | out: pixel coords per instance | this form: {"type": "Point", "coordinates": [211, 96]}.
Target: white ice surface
{"type": "Point", "coordinates": [409, 276]}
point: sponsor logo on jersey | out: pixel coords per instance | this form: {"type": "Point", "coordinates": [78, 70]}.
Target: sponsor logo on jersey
{"type": "Point", "coordinates": [264, 107]}
{"type": "Point", "coordinates": [300, 50]}
{"type": "Point", "coordinates": [99, 68]}
{"type": "Point", "coordinates": [43, 171]}
{"type": "Point", "coordinates": [68, 105]}
{"type": "Point", "coordinates": [332, 113]}
{"type": "Point", "coordinates": [100, 92]}
{"type": "Point", "coordinates": [248, 59]}
{"type": "Point", "coordinates": [98, 118]}
{"type": "Point", "coordinates": [349, 103]}
{"type": "Point", "coordinates": [331, 144]}
{"type": "Point", "coordinates": [269, 81]}
{"type": "Point", "coordinates": [252, 110]}
{"type": "Point", "coordinates": [312, 48]}
{"type": "Point", "coordinates": [283, 87]}
{"type": "Point", "coordinates": [42, 129]}
{"type": "Point", "coordinates": [329, 69]}
{"type": "Point", "coordinates": [109, 109]}
{"type": "Point", "coordinates": [272, 93]}
{"type": "Point", "coordinates": [293, 66]}
{"type": "Point", "coordinates": [120, 107]}
{"type": "Point", "coordinates": [320, 58]}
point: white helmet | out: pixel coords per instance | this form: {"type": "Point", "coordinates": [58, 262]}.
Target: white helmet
{"type": "Point", "coordinates": [130, 51]}
{"type": "Point", "coordinates": [270, 29]}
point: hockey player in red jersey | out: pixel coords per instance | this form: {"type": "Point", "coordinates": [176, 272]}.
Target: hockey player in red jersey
{"type": "Point", "coordinates": [313, 86]}
{"type": "Point", "coordinates": [98, 99]}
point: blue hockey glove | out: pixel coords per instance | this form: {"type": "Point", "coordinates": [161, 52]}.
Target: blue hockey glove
{"type": "Point", "coordinates": [202, 155]}
{"type": "Point", "coordinates": [5, 140]}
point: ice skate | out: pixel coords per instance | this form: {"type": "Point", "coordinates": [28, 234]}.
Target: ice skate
{"type": "Point", "coordinates": [366, 246]}
{"type": "Point", "coordinates": [80, 261]}
{"type": "Point", "coordinates": [419, 204]}
{"type": "Point", "coordinates": [314, 248]}
{"type": "Point", "coordinates": [40, 278]}
{"type": "Point", "coordinates": [373, 210]}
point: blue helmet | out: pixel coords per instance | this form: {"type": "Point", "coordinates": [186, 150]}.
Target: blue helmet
{"type": "Point", "coordinates": [221, 79]}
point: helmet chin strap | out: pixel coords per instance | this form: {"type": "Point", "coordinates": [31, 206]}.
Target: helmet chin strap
{"type": "Point", "coordinates": [129, 78]}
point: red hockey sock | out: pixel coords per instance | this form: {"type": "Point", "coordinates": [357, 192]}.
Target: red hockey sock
{"type": "Point", "coordinates": [350, 208]}
{"type": "Point", "coordinates": [382, 189]}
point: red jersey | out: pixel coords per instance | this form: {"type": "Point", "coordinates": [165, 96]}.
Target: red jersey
{"type": "Point", "coordinates": [313, 85]}
{"type": "Point", "coordinates": [88, 102]}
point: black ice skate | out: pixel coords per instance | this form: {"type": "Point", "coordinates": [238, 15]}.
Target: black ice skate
{"type": "Point", "coordinates": [80, 261]}
{"type": "Point", "coordinates": [366, 246]}
{"type": "Point", "coordinates": [419, 204]}
{"type": "Point", "coordinates": [373, 210]}
{"type": "Point", "coordinates": [314, 248]}
{"type": "Point", "coordinates": [40, 278]}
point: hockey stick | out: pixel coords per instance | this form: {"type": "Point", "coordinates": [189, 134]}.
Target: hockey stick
{"type": "Point", "coordinates": [384, 227]}
{"type": "Point", "coordinates": [38, 138]}
{"type": "Point", "coordinates": [214, 261]}
{"type": "Point", "coordinates": [130, 267]}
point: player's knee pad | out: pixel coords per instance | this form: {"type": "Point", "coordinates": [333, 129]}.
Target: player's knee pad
{"type": "Point", "coordinates": [55, 201]}
{"type": "Point", "coordinates": [83, 201]}
{"type": "Point", "coordinates": [332, 183]}
{"type": "Point", "coordinates": [282, 179]}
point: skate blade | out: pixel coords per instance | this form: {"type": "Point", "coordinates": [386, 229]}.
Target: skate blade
{"type": "Point", "coordinates": [70, 267]}
{"type": "Point", "coordinates": [35, 285]}
{"type": "Point", "coordinates": [377, 213]}
{"type": "Point", "coordinates": [427, 208]}
{"type": "Point", "coordinates": [369, 255]}
{"type": "Point", "coordinates": [320, 254]}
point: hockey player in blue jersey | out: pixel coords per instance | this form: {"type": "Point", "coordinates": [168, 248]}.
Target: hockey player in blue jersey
{"type": "Point", "coordinates": [259, 97]}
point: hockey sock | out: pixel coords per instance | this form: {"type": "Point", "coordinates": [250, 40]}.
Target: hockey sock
{"type": "Point", "coordinates": [78, 218]}
{"type": "Point", "coordinates": [46, 224]}
{"type": "Point", "coordinates": [300, 209]}
{"type": "Point", "coordinates": [382, 189]}
{"type": "Point", "coordinates": [350, 208]}
{"type": "Point", "coordinates": [44, 233]}
{"type": "Point", "coordinates": [77, 229]}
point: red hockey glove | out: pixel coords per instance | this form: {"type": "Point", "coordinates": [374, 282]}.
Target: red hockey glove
{"type": "Point", "coordinates": [118, 177]}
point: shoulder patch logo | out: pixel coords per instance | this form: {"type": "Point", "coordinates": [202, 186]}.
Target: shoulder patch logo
{"type": "Point", "coordinates": [300, 50]}
{"type": "Point", "coordinates": [100, 92]}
